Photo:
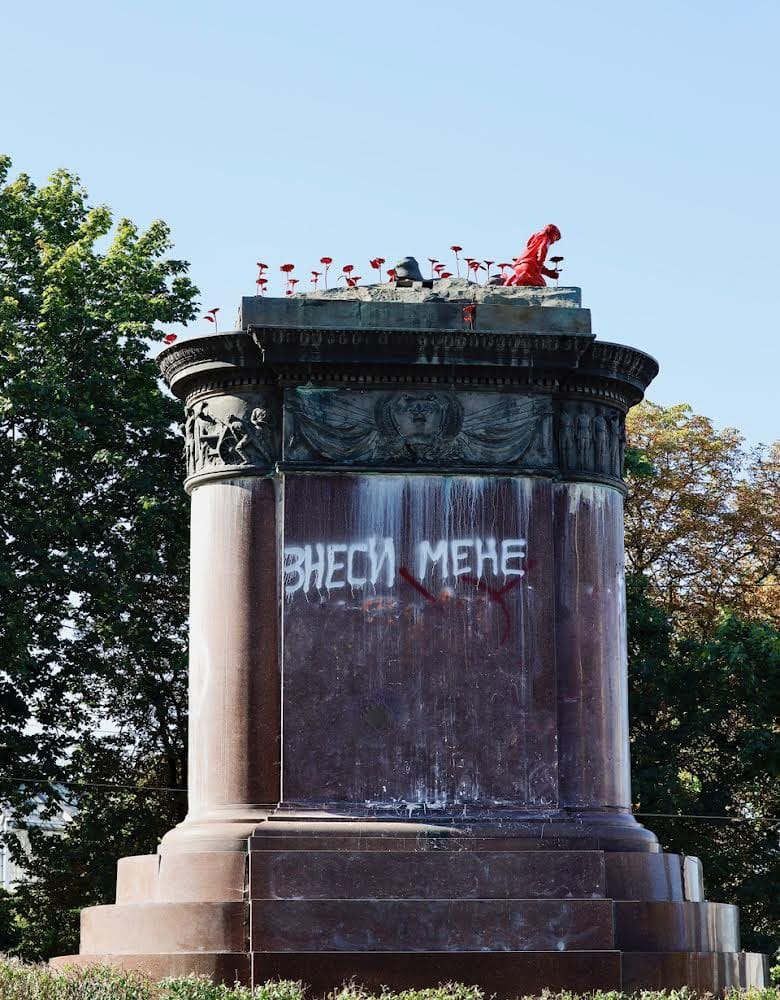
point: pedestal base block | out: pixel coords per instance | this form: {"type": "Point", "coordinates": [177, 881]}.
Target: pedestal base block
{"type": "Point", "coordinates": [133, 928]}
{"type": "Point", "coordinates": [409, 905]}
{"type": "Point", "coordinates": [505, 974]}
{"type": "Point", "coordinates": [700, 972]}
{"type": "Point", "coordinates": [221, 968]}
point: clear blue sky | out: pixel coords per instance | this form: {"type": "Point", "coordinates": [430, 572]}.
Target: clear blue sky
{"type": "Point", "coordinates": [282, 132]}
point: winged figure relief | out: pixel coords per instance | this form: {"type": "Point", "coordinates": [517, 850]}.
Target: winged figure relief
{"type": "Point", "coordinates": [336, 424]}
{"type": "Point", "coordinates": [414, 426]}
{"type": "Point", "coordinates": [504, 431]}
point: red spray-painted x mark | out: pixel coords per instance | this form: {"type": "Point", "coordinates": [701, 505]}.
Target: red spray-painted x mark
{"type": "Point", "coordinates": [495, 595]}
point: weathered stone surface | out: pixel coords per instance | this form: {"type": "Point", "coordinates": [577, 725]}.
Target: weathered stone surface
{"type": "Point", "coordinates": [701, 973]}
{"type": "Point", "coordinates": [364, 828]}
{"type": "Point", "coordinates": [644, 876]}
{"type": "Point", "coordinates": [190, 877]}
{"type": "Point", "coordinates": [676, 926]}
{"type": "Point", "coordinates": [136, 878]}
{"type": "Point", "coordinates": [496, 312]}
{"type": "Point", "coordinates": [505, 974]}
{"type": "Point", "coordinates": [413, 742]}
{"type": "Point", "coordinates": [441, 290]}
{"type": "Point", "coordinates": [590, 632]}
{"type": "Point", "coordinates": [693, 878]}
{"type": "Point", "coordinates": [426, 875]}
{"type": "Point", "coordinates": [234, 702]}
{"type": "Point", "coordinates": [138, 928]}
{"type": "Point", "coordinates": [219, 967]}
{"type": "Point", "coordinates": [431, 925]}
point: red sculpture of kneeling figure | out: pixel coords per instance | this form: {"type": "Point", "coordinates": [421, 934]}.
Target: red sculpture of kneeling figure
{"type": "Point", "coordinates": [529, 269]}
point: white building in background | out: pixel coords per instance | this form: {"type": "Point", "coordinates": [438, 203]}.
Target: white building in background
{"type": "Point", "coordinates": [10, 872]}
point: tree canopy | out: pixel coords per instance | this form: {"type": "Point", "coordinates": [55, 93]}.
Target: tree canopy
{"type": "Point", "coordinates": [703, 518]}
{"type": "Point", "coordinates": [95, 525]}
{"type": "Point", "coordinates": [702, 536]}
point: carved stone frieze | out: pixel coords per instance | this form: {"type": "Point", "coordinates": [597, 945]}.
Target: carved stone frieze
{"type": "Point", "coordinates": [591, 440]}
{"type": "Point", "coordinates": [226, 432]}
{"type": "Point", "coordinates": [375, 429]}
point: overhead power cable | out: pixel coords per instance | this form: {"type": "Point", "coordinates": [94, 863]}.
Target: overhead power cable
{"type": "Point", "coordinates": [164, 788]}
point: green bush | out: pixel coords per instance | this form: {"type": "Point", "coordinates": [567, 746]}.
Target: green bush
{"type": "Point", "coordinates": [37, 982]}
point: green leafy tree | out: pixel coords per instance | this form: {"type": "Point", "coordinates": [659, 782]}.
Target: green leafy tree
{"type": "Point", "coordinates": [702, 539]}
{"type": "Point", "coordinates": [94, 562]}
{"type": "Point", "coordinates": [704, 525]}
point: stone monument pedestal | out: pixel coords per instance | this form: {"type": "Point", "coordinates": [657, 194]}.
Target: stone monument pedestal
{"type": "Point", "coordinates": [408, 696]}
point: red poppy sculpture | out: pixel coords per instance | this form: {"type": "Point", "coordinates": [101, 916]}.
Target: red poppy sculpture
{"type": "Point", "coordinates": [456, 250]}
{"type": "Point", "coordinates": [211, 317]}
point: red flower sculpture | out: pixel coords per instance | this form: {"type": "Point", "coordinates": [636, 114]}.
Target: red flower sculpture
{"type": "Point", "coordinates": [327, 261]}
{"type": "Point", "coordinates": [315, 275]}
{"type": "Point", "coordinates": [469, 312]}
{"type": "Point", "coordinates": [169, 338]}
{"type": "Point", "coordinates": [211, 316]}
{"type": "Point", "coordinates": [488, 265]}
{"type": "Point", "coordinates": [287, 269]}
{"type": "Point", "coordinates": [392, 274]}
{"type": "Point", "coordinates": [377, 263]}
{"type": "Point", "coordinates": [433, 262]}
{"type": "Point", "coordinates": [446, 274]}
{"type": "Point", "coordinates": [348, 268]}
{"type": "Point", "coordinates": [456, 250]}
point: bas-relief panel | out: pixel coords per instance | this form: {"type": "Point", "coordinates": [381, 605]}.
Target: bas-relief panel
{"type": "Point", "coordinates": [418, 643]}
{"type": "Point", "coordinates": [417, 427]}
{"type": "Point", "coordinates": [590, 438]}
{"type": "Point", "coordinates": [412, 428]}
{"type": "Point", "coordinates": [231, 431]}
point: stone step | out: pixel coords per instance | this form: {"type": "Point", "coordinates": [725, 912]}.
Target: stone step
{"type": "Point", "coordinates": [329, 925]}
{"type": "Point", "coordinates": [426, 875]}
{"type": "Point", "coordinates": [676, 926]}
{"type": "Point", "coordinates": [189, 877]}
{"type": "Point", "coordinates": [505, 974]}
{"type": "Point", "coordinates": [221, 967]}
{"type": "Point", "coordinates": [652, 876]}
{"type": "Point", "coordinates": [220, 876]}
{"type": "Point", "coordinates": [141, 928]}
{"type": "Point", "coordinates": [701, 972]}
{"type": "Point", "coordinates": [509, 834]}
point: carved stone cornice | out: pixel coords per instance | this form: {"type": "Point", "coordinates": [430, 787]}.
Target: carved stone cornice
{"type": "Point", "coordinates": [337, 399]}
{"type": "Point", "coordinates": [222, 359]}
